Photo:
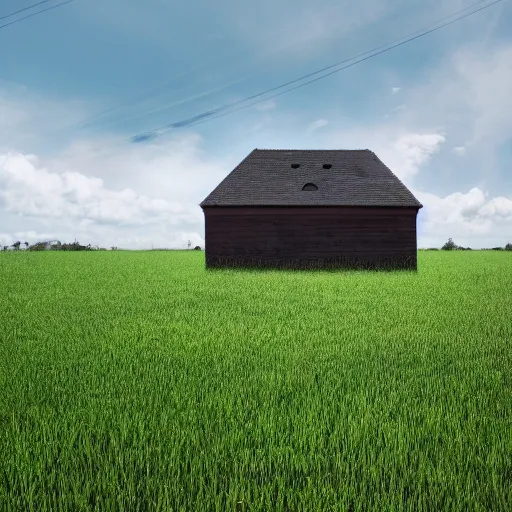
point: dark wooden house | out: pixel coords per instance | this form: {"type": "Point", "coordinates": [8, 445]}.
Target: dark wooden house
{"type": "Point", "coordinates": [311, 208]}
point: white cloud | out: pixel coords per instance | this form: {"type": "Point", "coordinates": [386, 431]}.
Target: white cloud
{"type": "Point", "coordinates": [319, 123]}
{"type": "Point", "coordinates": [497, 207]}
{"type": "Point", "coordinates": [468, 95]}
{"type": "Point", "coordinates": [415, 149]}
{"type": "Point", "coordinates": [403, 153]}
{"type": "Point", "coordinates": [459, 150]}
{"type": "Point", "coordinates": [135, 196]}
{"type": "Point", "coordinates": [471, 219]}
{"type": "Point", "coordinates": [395, 90]}
{"type": "Point", "coordinates": [30, 189]}
{"type": "Point", "coordinates": [177, 167]}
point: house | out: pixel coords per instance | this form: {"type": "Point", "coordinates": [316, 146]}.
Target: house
{"type": "Point", "coordinates": [311, 208]}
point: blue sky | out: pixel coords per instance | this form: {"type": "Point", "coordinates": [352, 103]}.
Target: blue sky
{"type": "Point", "coordinates": [77, 82]}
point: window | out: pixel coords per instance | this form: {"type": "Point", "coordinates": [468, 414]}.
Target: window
{"type": "Point", "coordinates": [327, 166]}
{"type": "Point", "coordinates": [295, 166]}
{"type": "Point", "coordinates": [309, 186]}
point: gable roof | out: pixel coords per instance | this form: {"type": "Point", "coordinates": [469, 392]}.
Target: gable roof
{"type": "Point", "coordinates": [266, 178]}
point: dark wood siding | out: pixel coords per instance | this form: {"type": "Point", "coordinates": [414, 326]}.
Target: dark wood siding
{"type": "Point", "coordinates": [311, 237]}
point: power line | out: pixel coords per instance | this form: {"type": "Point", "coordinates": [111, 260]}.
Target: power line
{"type": "Point", "coordinates": [142, 95]}
{"type": "Point", "coordinates": [155, 110]}
{"type": "Point", "coordinates": [200, 121]}
{"type": "Point", "coordinates": [137, 97]}
{"type": "Point", "coordinates": [177, 103]}
{"type": "Point", "coordinates": [25, 9]}
{"type": "Point", "coordinates": [204, 116]}
{"type": "Point", "coordinates": [208, 93]}
{"type": "Point", "coordinates": [34, 13]}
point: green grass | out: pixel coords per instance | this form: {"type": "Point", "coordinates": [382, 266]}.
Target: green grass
{"type": "Point", "coordinates": [139, 381]}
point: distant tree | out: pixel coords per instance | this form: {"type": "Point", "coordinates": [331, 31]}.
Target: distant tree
{"type": "Point", "coordinates": [51, 245]}
{"type": "Point", "coordinates": [39, 246]}
{"type": "Point", "coordinates": [6, 247]}
{"type": "Point", "coordinates": [16, 245]}
{"type": "Point", "coordinates": [75, 246]}
{"type": "Point", "coordinates": [197, 248]}
{"type": "Point", "coordinates": [497, 248]}
{"type": "Point", "coordinates": [189, 244]}
{"type": "Point", "coordinates": [508, 247]}
{"type": "Point", "coordinates": [449, 246]}
{"type": "Point", "coordinates": [26, 245]}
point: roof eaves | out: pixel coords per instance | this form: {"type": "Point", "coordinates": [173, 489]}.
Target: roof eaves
{"type": "Point", "coordinates": [202, 203]}
{"type": "Point", "coordinates": [375, 157]}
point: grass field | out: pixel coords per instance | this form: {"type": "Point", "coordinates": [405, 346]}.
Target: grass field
{"type": "Point", "coordinates": [139, 381]}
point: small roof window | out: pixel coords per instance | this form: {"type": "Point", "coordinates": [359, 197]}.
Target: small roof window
{"type": "Point", "coordinates": [327, 166]}
{"type": "Point", "coordinates": [309, 186]}
{"type": "Point", "coordinates": [295, 166]}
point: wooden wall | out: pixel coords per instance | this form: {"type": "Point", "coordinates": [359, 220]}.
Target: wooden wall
{"type": "Point", "coordinates": [302, 237]}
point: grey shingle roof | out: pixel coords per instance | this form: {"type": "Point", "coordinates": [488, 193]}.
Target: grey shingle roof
{"type": "Point", "coordinates": [265, 178]}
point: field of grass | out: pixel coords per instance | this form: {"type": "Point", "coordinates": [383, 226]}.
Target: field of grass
{"type": "Point", "coordinates": [140, 381]}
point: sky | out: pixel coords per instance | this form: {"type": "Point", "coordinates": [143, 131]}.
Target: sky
{"type": "Point", "coordinates": [79, 82]}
